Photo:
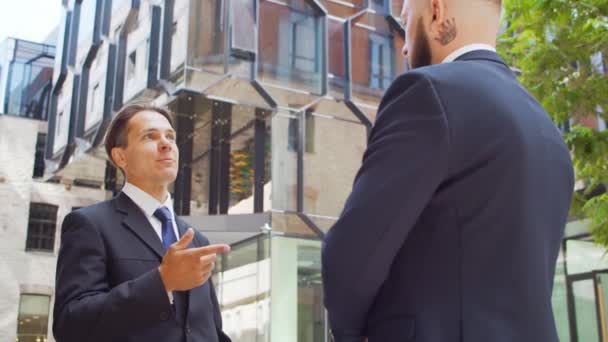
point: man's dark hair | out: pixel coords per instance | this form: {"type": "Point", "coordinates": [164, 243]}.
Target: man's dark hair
{"type": "Point", "coordinates": [118, 129]}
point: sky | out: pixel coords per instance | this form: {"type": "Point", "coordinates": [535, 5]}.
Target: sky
{"type": "Point", "coordinates": [28, 19]}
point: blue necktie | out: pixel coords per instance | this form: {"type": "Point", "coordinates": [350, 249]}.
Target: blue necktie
{"type": "Point", "coordinates": [164, 215]}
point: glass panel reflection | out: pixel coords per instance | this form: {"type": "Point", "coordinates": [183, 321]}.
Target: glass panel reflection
{"type": "Point", "coordinates": [331, 166]}
{"type": "Point", "coordinates": [243, 34]}
{"type": "Point", "coordinates": [97, 86]}
{"type": "Point", "coordinates": [586, 313]}
{"type": "Point", "coordinates": [136, 68]}
{"type": "Point", "coordinates": [602, 283]}
{"type": "Point", "coordinates": [322, 222]}
{"type": "Point", "coordinates": [284, 161]}
{"type": "Point", "coordinates": [297, 306]}
{"type": "Point", "coordinates": [378, 59]}
{"type": "Point", "coordinates": [179, 32]}
{"type": "Point", "coordinates": [29, 76]}
{"type": "Point", "coordinates": [200, 155]}
{"type": "Point", "coordinates": [291, 45]}
{"type": "Point", "coordinates": [343, 8]}
{"type": "Point", "coordinates": [336, 55]}
{"type": "Point", "coordinates": [559, 300]}
{"type": "Point", "coordinates": [291, 224]}
{"type": "Point", "coordinates": [243, 287]}
{"type": "Point", "coordinates": [243, 158]}
{"type": "Point", "coordinates": [206, 43]}
{"type": "Point", "coordinates": [585, 256]}
{"type": "Point", "coordinates": [33, 318]}
{"type": "Point", "coordinates": [230, 157]}
{"type": "Point", "coordinates": [87, 19]}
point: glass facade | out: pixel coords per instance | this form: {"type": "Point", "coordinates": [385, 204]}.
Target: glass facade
{"type": "Point", "coordinates": [273, 102]}
{"type": "Point", "coordinates": [581, 287]}
{"type": "Point", "coordinates": [26, 74]}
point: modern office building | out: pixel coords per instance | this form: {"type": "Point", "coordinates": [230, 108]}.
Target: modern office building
{"type": "Point", "coordinates": [34, 202]}
{"type": "Point", "coordinates": [273, 100]}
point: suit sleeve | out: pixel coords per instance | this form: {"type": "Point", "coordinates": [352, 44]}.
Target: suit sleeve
{"type": "Point", "coordinates": [405, 162]}
{"type": "Point", "coordinates": [86, 307]}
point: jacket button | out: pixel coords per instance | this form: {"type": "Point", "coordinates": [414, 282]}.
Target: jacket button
{"type": "Point", "coordinates": [164, 316]}
{"type": "Point", "coordinates": [188, 331]}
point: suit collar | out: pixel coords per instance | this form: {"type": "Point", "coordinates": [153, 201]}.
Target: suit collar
{"type": "Point", "coordinates": [482, 55]}
{"type": "Point", "coordinates": [466, 49]}
{"type": "Point", "coordinates": [135, 220]}
{"type": "Point", "coordinates": [145, 201]}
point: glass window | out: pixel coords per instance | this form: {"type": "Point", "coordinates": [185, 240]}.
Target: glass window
{"type": "Point", "coordinates": [94, 95]}
{"type": "Point", "coordinates": [336, 65]}
{"type": "Point", "coordinates": [291, 45]}
{"type": "Point", "coordinates": [243, 25]}
{"type": "Point", "coordinates": [242, 284]}
{"type": "Point", "coordinates": [585, 256]}
{"type": "Point", "coordinates": [559, 300]}
{"type": "Point", "coordinates": [87, 20]}
{"type": "Point", "coordinates": [228, 142]}
{"type": "Point", "coordinates": [33, 318]}
{"type": "Point", "coordinates": [284, 162]}
{"type": "Point", "coordinates": [39, 158]}
{"type": "Point", "coordinates": [302, 35]}
{"type": "Point", "coordinates": [59, 123]}
{"type": "Point", "coordinates": [205, 50]}
{"type": "Point", "coordinates": [41, 227]}
{"type": "Point", "coordinates": [297, 294]}
{"type": "Point", "coordinates": [116, 4]}
{"type": "Point", "coordinates": [380, 6]}
{"type": "Point", "coordinates": [380, 61]}
{"type": "Point", "coordinates": [131, 64]}
{"type": "Point", "coordinates": [179, 35]}
{"type": "Point", "coordinates": [309, 132]}
{"type": "Point", "coordinates": [343, 8]}
{"type": "Point", "coordinates": [329, 173]}
{"type": "Point", "coordinates": [583, 292]}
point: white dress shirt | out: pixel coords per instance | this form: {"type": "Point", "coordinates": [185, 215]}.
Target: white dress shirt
{"type": "Point", "coordinates": [466, 49]}
{"type": "Point", "coordinates": [148, 206]}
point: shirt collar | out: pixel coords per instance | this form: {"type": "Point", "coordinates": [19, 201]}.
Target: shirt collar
{"type": "Point", "coordinates": [466, 49]}
{"type": "Point", "coordinates": [145, 201]}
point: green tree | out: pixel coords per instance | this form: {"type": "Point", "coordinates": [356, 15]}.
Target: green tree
{"type": "Point", "coordinates": [561, 48]}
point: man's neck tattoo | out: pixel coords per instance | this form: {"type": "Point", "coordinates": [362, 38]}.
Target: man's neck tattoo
{"type": "Point", "coordinates": [447, 32]}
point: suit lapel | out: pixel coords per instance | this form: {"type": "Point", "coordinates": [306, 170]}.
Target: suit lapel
{"type": "Point", "coordinates": [136, 221]}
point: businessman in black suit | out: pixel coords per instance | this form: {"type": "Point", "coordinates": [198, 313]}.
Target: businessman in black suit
{"type": "Point", "coordinates": [128, 268]}
{"type": "Point", "coordinates": [453, 227]}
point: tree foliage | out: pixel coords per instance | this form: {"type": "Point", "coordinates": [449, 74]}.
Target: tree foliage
{"type": "Point", "coordinates": [561, 48]}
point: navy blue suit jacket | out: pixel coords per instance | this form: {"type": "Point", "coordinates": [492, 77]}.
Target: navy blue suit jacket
{"type": "Point", "coordinates": [454, 223]}
{"type": "Point", "coordinates": [108, 287]}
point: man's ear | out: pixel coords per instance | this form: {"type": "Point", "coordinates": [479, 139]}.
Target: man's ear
{"type": "Point", "coordinates": [438, 12]}
{"type": "Point", "coordinates": [119, 158]}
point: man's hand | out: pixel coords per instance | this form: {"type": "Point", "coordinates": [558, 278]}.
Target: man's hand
{"type": "Point", "coordinates": [185, 268]}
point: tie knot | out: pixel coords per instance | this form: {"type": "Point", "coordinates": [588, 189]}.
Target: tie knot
{"type": "Point", "coordinates": [163, 214]}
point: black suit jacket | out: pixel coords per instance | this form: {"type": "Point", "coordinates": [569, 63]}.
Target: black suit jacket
{"type": "Point", "coordinates": [108, 287]}
{"type": "Point", "coordinates": [454, 223]}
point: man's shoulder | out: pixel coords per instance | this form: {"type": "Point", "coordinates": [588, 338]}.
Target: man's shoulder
{"type": "Point", "coordinates": [97, 210]}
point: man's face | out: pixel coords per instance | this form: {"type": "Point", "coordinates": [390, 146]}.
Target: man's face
{"type": "Point", "coordinates": [417, 46]}
{"type": "Point", "coordinates": [151, 155]}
